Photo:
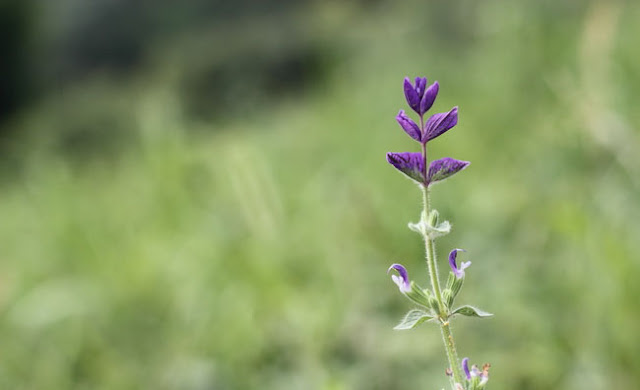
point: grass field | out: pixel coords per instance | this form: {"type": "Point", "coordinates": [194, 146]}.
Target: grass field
{"type": "Point", "coordinates": [250, 252]}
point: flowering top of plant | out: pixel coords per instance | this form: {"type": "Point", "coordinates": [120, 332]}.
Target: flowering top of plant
{"type": "Point", "coordinates": [414, 165]}
{"type": "Point", "coordinates": [434, 304]}
{"type": "Point", "coordinates": [419, 97]}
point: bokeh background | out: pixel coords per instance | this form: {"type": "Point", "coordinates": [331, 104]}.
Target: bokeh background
{"type": "Point", "coordinates": [194, 195]}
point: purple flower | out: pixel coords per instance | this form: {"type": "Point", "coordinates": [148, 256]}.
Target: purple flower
{"type": "Point", "coordinates": [465, 367]}
{"type": "Point", "coordinates": [411, 164]}
{"type": "Point", "coordinates": [419, 97]}
{"type": "Point", "coordinates": [409, 126]}
{"type": "Point", "coordinates": [458, 272]}
{"type": "Point", "coordinates": [443, 168]}
{"type": "Point", "coordinates": [402, 280]}
{"type": "Point", "coordinates": [475, 372]}
{"type": "Point", "coordinates": [438, 124]}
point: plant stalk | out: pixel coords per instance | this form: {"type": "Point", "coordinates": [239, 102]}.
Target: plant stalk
{"type": "Point", "coordinates": [432, 265]}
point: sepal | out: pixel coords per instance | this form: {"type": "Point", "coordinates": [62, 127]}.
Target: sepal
{"type": "Point", "coordinates": [438, 231]}
{"type": "Point", "coordinates": [419, 295]}
{"type": "Point", "coordinates": [412, 319]}
{"type": "Point", "coordinates": [433, 302]}
{"type": "Point", "coordinates": [470, 311]}
{"type": "Point", "coordinates": [433, 218]}
{"type": "Point", "coordinates": [447, 297]}
{"type": "Point", "coordinates": [454, 284]}
{"type": "Point", "coordinates": [452, 289]}
{"type": "Point", "coordinates": [430, 226]}
{"type": "Point", "coordinates": [417, 227]}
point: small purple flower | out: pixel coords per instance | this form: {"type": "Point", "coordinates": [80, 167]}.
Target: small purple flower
{"type": "Point", "coordinates": [475, 372]}
{"type": "Point", "coordinates": [411, 164]}
{"type": "Point", "coordinates": [465, 367]}
{"type": "Point", "coordinates": [443, 168]}
{"type": "Point", "coordinates": [409, 126]}
{"type": "Point", "coordinates": [438, 124]}
{"type": "Point", "coordinates": [402, 280]}
{"type": "Point", "coordinates": [458, 272]}
{"type": "Point", "coordinates": [419, 97]}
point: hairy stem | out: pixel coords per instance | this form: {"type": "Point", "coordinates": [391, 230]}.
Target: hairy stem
{"type": "Point", "coordinates": [432, 265]}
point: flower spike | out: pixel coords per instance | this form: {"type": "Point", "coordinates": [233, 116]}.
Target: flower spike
{"type": "Point", "coordinates": [458, 272]}
{"type": "Point", "coordinates": [402, 280]}
{"type": "Point", "coordinates": [435, 305]}
{"type": "Point", "coordinates": [438, 124]}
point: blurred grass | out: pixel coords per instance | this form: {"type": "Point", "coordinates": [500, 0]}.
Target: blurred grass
{"type": "Point", "coordinates": [250, 252]}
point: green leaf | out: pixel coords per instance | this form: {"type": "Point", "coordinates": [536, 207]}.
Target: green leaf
{"type": "Point", "coordinates": [471, 311]}
{"type": "Point", "coordinates": [413, 318]}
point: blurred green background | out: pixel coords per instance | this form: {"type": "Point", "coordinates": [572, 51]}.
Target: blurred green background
{"type": "Point", "coordinates": [195, 196]}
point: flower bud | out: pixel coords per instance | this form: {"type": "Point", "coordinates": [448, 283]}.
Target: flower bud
{"type": "Point", "coordinates": [433, 303]}
{"type": "Point", "coordinates": [447, 297]}
{"type": "Point", "coordinates": [434, 218]}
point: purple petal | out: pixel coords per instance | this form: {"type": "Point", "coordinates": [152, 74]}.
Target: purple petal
{"type": "Point", "coordinates": [409, 126]}
{"type": "Point", "coordinates": [444, 168]}
{"type": "Point", "coordinates": [458, 272]}
{"type": "Point", "coordinates": [403, 280]}
{"type": "Point", "coordinates": [465, 367]}
{"type": "Point", "coordinates": [437, 124]}
{"type": "Point", "coordinates": [411, 95]}
{"type": "Point", "coordinates": [411, 164]}
{"type": "Point", "coordinates": [429, 97]}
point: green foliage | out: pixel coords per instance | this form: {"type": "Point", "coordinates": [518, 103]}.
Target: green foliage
{"type": "Point", "coordinates": [250, 251]}
{"type": "Point", "coordinates": [470, 311]}
{"type": "Point", "coordinates": [412, 319]}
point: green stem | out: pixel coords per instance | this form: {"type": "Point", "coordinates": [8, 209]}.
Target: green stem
{"type": "Point", "coordinates": [452, 355]}
{"type": "Point", "coordinates": [432, 265]}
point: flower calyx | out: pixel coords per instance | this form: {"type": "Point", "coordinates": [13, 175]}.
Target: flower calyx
{"type": "Point", "coordinates": [476, 378]}
{"type": "Point", "coordinates": [430, 226]}
{"type": "Point", "coordinates": [412, 291]}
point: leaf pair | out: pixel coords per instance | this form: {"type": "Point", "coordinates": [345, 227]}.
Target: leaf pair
{"type": "Point", "coordinates": [416, 317]}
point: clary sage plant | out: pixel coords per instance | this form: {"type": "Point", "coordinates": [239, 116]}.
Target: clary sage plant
{"type": "Point", "coordinates": [435, 304]}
